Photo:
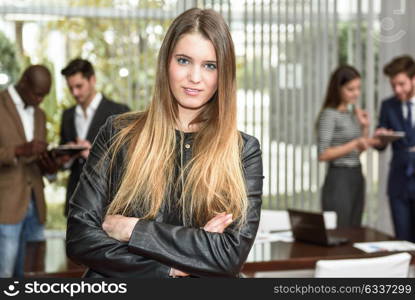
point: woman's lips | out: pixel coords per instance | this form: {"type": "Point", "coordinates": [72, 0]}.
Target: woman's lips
{"type": "Point", "coordinates": [191, 92]}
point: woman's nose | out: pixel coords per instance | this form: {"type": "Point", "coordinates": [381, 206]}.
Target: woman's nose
{"type": "Point", "coordinates": [195, 74]}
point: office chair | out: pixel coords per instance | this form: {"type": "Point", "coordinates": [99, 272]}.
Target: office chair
{"type": "Point", "coordinates": [396, 265]}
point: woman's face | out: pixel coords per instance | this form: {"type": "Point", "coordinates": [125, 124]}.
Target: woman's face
{"type": "Point", "coordinates": [193, 74]}
{"type": "Point", "coordinates": [350, 91]}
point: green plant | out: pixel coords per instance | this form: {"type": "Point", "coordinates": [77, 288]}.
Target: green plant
{"type": "Point", "coordinates": [9, 62]}
{"type": "Point", "coordinates": [56, 219]}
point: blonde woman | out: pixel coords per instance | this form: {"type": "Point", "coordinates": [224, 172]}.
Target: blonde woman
{"type": "Point", "coordinates": [175, 190]}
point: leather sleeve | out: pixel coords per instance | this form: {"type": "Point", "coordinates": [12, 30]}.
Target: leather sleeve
{"type": "Point", "coordinates": [202, 253]}
{"type": "Point", "coordinates": [86, 241]}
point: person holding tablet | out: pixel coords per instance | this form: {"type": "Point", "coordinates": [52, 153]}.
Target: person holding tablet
{"type": "Point", "coordinates": [397, 118]}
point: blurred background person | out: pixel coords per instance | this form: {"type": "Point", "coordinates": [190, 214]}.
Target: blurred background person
{"type": "Point", "coordinates": [397, 113]}
{"type": "Point", "coordinates": [81, 122]}
{"type": "Point", "coordinates": [342, 137]}
{"type": "Point", "coordinates": [23, 161]}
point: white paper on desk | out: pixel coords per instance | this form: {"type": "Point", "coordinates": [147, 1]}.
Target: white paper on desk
{"type": "Point", "coordinates": [370, 247]}
{"type": "Point", "coordinates": [280, 236]}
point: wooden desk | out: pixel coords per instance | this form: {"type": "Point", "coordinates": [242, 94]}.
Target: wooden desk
{"type": "Point", "coordinates": [298, 255]}
{"type": "Point", "coordinates": [48, 259]}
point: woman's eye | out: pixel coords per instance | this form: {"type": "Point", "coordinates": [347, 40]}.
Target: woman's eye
{"type": "Point", "coordinates": [182, 61]}
{"type": "Point", "coordinates": [210, 66]}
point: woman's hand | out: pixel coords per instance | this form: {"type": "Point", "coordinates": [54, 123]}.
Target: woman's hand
{"type": "Point", "coordinates": [362, 144]}
{"type": "Point", "coordinates": [216, 224]}
{"type": "Point", "coordinates": [363, 117]}
{"type": "Point", "coordinates": [177, 273]}
{"type": "Point", "coordinates": [119, 227]}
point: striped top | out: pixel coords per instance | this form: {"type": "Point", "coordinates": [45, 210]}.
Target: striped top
{"type": "Point", "coordinates": [336, 128]}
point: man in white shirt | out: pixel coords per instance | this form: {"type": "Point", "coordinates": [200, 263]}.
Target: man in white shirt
{"type": "Point", "coordinates": [80, 123]}
{"type": "Point", "coordinates": [23, 161]}
{"type": "Point", "coordinates": [398, 114]}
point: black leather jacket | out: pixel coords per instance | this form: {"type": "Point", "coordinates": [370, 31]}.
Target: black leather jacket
{"type": "Point", "coordinates": [156, 245]}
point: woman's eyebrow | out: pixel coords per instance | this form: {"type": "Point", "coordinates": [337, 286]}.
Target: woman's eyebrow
{"type": "Point", "coordinates": [190, 58]}
{"type": "Point", "coordinates": [183, 55]}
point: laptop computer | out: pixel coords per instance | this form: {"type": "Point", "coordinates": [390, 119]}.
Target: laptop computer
{"type": "Point", "coordinates": [309, 227]}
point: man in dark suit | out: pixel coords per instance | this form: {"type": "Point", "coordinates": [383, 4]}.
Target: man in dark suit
{"type": "Point", "coordinates": [398, 114]}
{"type": "Point", "coordinates": [80, 123]}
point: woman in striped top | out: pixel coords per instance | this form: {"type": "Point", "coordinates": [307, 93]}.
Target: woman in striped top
{"type": "Point", "coordinates": [342, 137]}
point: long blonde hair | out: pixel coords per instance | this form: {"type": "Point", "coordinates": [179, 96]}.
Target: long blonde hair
{"type": "Point", "coordinates": [213, 180]}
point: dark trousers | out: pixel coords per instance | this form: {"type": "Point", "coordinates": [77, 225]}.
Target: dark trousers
{"type": "Point", "coordinates": [403, 213]}
{"type": "Point", "coordinates": [344, 192]}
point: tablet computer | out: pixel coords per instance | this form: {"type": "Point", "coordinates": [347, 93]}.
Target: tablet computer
{"type": "Point", "coordinates": [70, 150]}
{"type": "Point", "coordinates": [391, 137]}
